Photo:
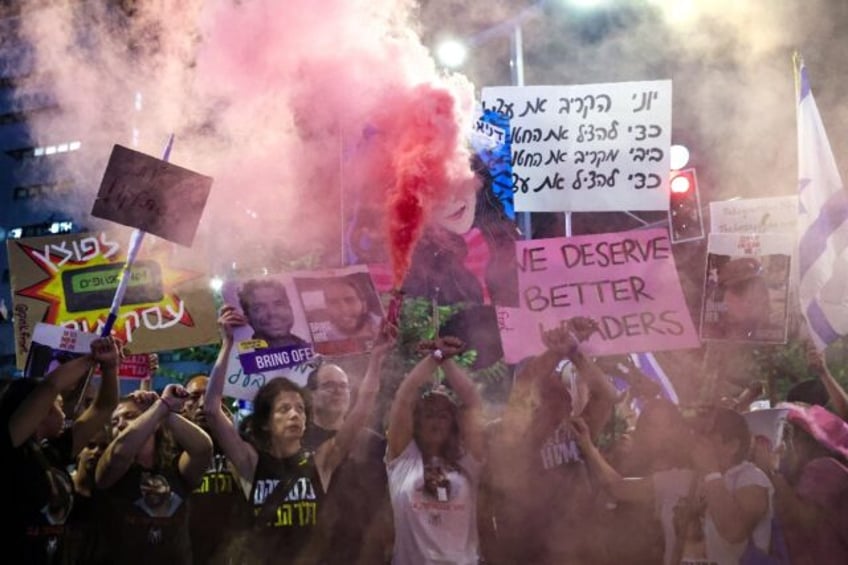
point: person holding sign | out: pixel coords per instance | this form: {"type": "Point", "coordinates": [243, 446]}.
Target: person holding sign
{"type": "Point", "coordinates": [537, 489]}
{"type": "Point", "coordinates": [36, 450]}
{"type": "Point", "coordinates": [713, 512]}
{"type": "Point", "coordinates": [266, 304]}
{"type": "Point", "coordinates": [433, 460]}
{"type": "Point", "coordinates": [287, 484]}
{"type": "Point", "coordinates": [147, 480]}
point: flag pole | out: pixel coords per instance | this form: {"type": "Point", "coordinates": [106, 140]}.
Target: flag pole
{"type": "Point", "coordinates": [135, 245]}
{"type": "Point", "coordinates": [136, 238]}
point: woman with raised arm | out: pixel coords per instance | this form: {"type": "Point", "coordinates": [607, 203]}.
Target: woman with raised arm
{"type": "Point", "coordinates": [539, 498]}
{"type": "Point", "coordinates": [146, 479]}
{"type": "Point", "coordinates": [36, 449]}
{"type": "Point", "coordinates": [285, 484]}
{"type": "Point", "coordinates": [435, 448]}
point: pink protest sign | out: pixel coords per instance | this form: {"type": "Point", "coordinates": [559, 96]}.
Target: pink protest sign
{"type": "Point", "coordinates": [626, 281]}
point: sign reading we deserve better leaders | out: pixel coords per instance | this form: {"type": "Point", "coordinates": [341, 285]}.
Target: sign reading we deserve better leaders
{"type": "Point", "coordinates": [588, 148]}
{"type": "Point", "coordinates": [627, 282]}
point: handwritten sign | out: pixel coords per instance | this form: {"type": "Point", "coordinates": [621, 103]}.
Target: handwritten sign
{"type": "Point", "coordinates": [778, 214]}
{"type": "Point", "coordinates": [746, 287]}
{"type": "Point", "coordinates": [243, 385]}
{"type": "Point", "coordinates": [53, 345]}
{"type": "Point", "coordinates": [152, 195]}
{"type": "Point", "coordinates": [588, 148]}
{"type": "Point", "coordinates": [626, 281]}
{"type": "Point", "coordinates": [68, 280]}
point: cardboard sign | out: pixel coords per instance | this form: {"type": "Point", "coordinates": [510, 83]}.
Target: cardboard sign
{"type": "Point", "coordinates": [69, 280]}
{"type": "Point", "coordinates": [778, 214]}
{"type": "Point", "coordinates": [277, 324]}
{"type": "Point", "coordinates": [746, 288]}
{"type": "Point", "coordinates": [588, 148]}
{"type": "Point", "coordinates": [152, 195]}
{"type": "Point", "coordinates": [626, 281]}
{"type": "Point", "coordinates": [343, 310]}
{"type": "Point", "coordinates": [53, 345]}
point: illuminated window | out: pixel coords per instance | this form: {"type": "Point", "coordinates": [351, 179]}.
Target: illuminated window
{"type": "Point", "coordinates": [44, 150]}
{"type": "Point", "coordinates": [41, 190]}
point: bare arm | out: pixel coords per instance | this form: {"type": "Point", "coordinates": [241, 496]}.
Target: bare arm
{"type": "Point", "coordinates": [26, 418]}
{"type": "Point", "coordinates": [471, 424]}
{"type": "Point", "coordinates": [602, 393]}
{"type": "Point", "coordinates": [838, 396]}
{"type": "Point", "coordinates": [331, 453]}
{"type": "Point", "coordinates": [240, 453]}
{"type": "Point", "coordinates": [196, 444]}
{"type": "Point", "coordinates": [735, 514]}
{"type": "Point", "coordinates": [631, 489]}
{"type": "Point", "coordinates": [401, 413]}
{"type": "Point", "coordinates": [197, 448]}
{"type": "Point", "coordinates": [122, 450]}
{"type": "Point", "coordinates": [106, 352]}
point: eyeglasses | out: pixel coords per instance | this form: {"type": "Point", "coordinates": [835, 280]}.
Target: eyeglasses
{"type": "Point", "coordinates": [333, 386]}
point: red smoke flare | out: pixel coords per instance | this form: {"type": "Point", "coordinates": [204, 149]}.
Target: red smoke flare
{"type": "Point", "coordinates": [425, 146]}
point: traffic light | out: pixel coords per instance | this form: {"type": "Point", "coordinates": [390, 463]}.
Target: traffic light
{"type": "Point", "coordinates": [684, 207]}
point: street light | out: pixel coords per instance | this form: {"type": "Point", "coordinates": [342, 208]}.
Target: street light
{"type": "Point", "coordinates": [452, 53]}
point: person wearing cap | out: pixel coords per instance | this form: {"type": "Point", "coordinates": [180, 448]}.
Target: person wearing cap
{"type": "Point", "coordinates": [745, 296]}
{"type": "Point", "coordinates": [433, 460]}
{"type": "Point", "coordinates": [811, 486]}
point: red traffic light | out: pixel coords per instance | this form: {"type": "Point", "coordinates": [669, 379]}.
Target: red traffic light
{"type": "Point", "coordinates": [684, 208]}
{"type": "Point", "coordinates": [680, 184]}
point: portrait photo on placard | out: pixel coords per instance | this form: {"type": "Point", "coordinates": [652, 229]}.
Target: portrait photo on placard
{"type": "Point", "coordinates": [272, 309]}
{"type": "Point", "coordinates": [746, 298]}
{"type": "Point", "coordinates": [343, 311]}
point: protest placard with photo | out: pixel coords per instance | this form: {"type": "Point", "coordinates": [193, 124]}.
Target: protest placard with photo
{"type": "Point", "coordinates": [746, 288]}
{"type": "Point", "coordinates": [627, 282]}
{"type": "Point", "coordinates": [152, 195]}
{"type": "Point", "coordinates": [70, 279]}
{"type": "Point", "coordinates": [276, 343]}
{"type": "Point", "coordinates": [342, 308]}
{"type": "Point", "coordinates": [587, 148]}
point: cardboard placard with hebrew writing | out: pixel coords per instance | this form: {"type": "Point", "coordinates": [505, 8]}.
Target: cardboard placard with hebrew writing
{"type": "Point", "coordinates": [627, 282]}
{"type": "Point", "coordinates": [70, 279]}
{"type": "Point", "coordinates": [152, 195]}
{"type": "Point", "coordinates": [587, 148]}
{"type": "Point", "coordinates": [746, 288]}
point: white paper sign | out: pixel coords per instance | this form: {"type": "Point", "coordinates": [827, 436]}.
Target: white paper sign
{"type": "Point", "coordinates": [778, 214]}
{"type": "Point", "coordinates": [588, 148]}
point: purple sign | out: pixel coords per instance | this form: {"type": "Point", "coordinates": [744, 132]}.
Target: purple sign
{"type": "Point", "coordinates": [274, 358]}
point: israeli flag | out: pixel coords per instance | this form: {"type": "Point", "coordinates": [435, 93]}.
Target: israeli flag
{"type": "Point", "coordinates": [822, 224]}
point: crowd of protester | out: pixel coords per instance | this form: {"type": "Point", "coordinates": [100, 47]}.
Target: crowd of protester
{"type": "Point", "coordinates": [322, 475]}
